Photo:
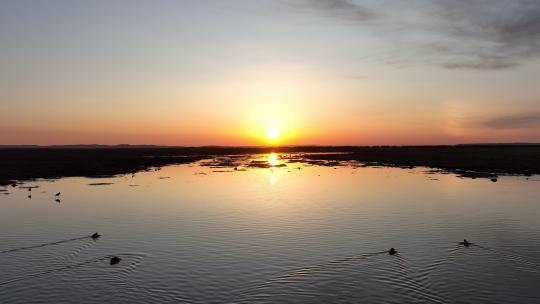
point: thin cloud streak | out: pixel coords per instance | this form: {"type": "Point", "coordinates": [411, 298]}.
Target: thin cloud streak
{"type": "Point", "coordinates": [516, 121]}
{"type": "Point", "coordinates": [344, 10]}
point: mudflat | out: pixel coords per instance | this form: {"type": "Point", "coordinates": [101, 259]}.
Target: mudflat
{"type": "Point", "coordinates": [20, 164]}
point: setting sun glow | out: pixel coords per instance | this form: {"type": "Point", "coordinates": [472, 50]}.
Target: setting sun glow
{"type": "Point", "coordinates": [272, 123]}
{"type": "Point", "coordinates": [273, 134]}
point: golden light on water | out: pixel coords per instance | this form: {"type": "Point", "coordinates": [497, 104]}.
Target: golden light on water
{"type": "Point", "coordinates": [273, 159]}
{"type": "Point", "coordinates": [273, 179]}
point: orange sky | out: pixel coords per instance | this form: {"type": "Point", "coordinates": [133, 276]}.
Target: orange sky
{"type": "Point", "coordinates": [226, 73]}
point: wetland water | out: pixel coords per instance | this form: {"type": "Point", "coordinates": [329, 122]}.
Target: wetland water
{"type": "Point", "coordinates": [271, 231]}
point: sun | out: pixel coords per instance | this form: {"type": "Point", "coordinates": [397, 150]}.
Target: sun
{"type": "Point", "coordinates": [273, 134]}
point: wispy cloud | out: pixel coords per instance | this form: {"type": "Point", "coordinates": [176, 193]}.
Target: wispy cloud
{"type": "Point", "coordinates": [345, 10]}
{"type": "Point", "coordinates": [515, 121]}
{"type": "Point", "coordinates": [488, 34]}
{"type": "Point", "coordinates": [456, 34]}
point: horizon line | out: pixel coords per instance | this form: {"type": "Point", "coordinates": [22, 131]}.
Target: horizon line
{"type": "Point", "coordinates": [4, 146]}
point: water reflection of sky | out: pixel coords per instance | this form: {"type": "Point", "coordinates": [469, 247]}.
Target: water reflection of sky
{"type": "Point", "coordinates": [203, 232]}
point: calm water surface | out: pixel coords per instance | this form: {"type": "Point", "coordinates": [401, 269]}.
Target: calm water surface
{"type": "Point", "coordinates": [204, 233]}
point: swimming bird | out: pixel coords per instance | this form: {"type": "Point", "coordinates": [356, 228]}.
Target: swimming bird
{"type": "Point", "coordinates": [465, 243]}
{"type": "Point", "coordinates": [29, 189]}
{"type": "Point", "coordinates": [392, 251]}
{"type": "Point", "coordinates": [57, 194]}
{"type": "Point", "coordinates": [115, 260]}
{"type": "Point", "coordinates": [95, 236]}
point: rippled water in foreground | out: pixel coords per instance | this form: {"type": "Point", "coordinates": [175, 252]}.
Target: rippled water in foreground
{"type": "Point", "coordinates": [318, 234]}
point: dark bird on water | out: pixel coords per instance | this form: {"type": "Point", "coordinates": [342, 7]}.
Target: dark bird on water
{"type": "Point", "coordinates": [392, 251]}
{"type": "Point", "coordinates": [465, 243]}
{"type": "Point", "coordinates": [95, 236]}
{"type": "Point", "coordinates": [115, 260]}
{"type": "Point", "coordinates": [57, 194]}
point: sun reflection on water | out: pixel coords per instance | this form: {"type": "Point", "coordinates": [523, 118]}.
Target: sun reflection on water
{"type": "Point", "coordinates": [273, 159]}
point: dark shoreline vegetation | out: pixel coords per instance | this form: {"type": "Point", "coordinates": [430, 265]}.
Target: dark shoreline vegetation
{"type": "Point", "coordinates": [19, 164]}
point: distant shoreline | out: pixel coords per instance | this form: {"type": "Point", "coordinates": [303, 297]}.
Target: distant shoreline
{"type": "Point", "coordinates": [130, 146]}
{"type": "Point", "coordinates": [19, 164]}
